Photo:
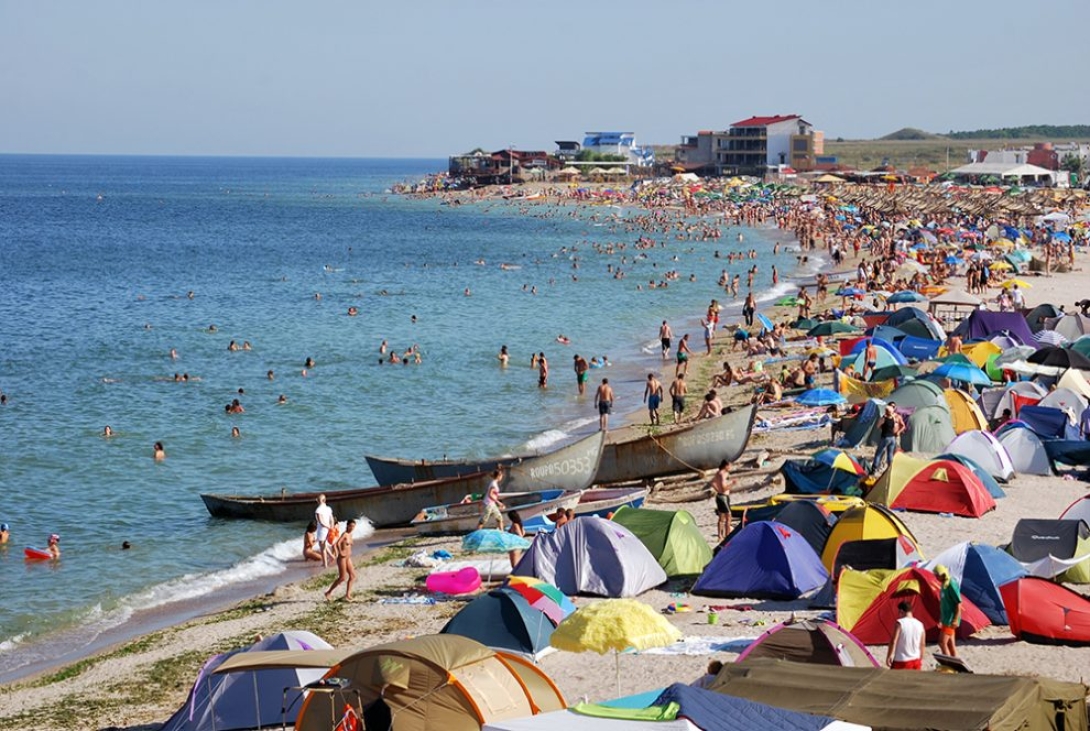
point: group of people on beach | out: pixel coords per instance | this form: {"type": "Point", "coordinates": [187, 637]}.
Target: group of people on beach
{"type": "Point", "coordinates": [324, 541]}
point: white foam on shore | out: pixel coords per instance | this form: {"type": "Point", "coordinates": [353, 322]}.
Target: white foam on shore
{"type": "Point", "coordinates": [780, 290]}
{"type": "Point", "coordinates": [551, 437]}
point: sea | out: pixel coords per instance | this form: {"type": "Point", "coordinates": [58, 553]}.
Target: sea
{"type": "Point", "coordinates": [119, 276]}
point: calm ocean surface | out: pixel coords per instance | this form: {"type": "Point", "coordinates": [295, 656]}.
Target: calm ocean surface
{"type": "Point", "coordinates": [97, 255]}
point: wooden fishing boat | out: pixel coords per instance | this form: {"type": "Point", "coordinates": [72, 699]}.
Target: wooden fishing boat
{"type": "Point", "coordinates": [572, 467]}
{"type": "Point", "coordinates": [463, 517]}
{"type": "Point", "coordinates": [701, 445]}
{"type": "Point", "coordinates": [604, 501]}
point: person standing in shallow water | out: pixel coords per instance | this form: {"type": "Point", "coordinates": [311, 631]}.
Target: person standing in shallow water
{"type": "Point", "coordinates": [652, 394]}
{"type": "Point", "coordinates": [542, 371]}
{"type": "Point", "coordinates": [603, 399]}
{"type": "Point", "coordinates": [581, 370]}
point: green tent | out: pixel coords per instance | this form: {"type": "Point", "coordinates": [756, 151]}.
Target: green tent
{"type": "Point", "coordinates": [672, 537]}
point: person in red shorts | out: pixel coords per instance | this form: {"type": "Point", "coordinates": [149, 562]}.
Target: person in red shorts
{"type": "Point", "coordinates": [906, 648]}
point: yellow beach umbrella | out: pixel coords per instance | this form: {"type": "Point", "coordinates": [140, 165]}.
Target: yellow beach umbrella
{"type": "Point", "coordinates": [1000, 266]}
{"type": "Point", "coordinates": [614, 625]}
{"type": "Point", "coordinates": [1011, 282]}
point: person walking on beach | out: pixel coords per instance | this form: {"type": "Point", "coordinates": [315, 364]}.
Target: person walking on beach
{"type": "Point", "coordinates": [890, 428]}
{"type": "Point", "coordinates": [603, 399]}
{"type": "Point", "coordinates": [907, 646]}
{"type": "Point", "coordinates": [665, 335]}
{"type": "Point", "coordinates": [683, 353]}
{"type": "Point", "coordinates": [652, 394]}
{"type": "Point", "coordinates": [581, 369]}
{"type": "Point", "coordinates": [491, 505]}
{"type": "Point", "coordinates": [346, 571]}
{"type": "Point", "coordinates": [542, 371]}
{"type": "Point", "coordinates": [749, 309]}
{"type": "Point", "coordinates": [949, 611]}
{"type": "Point", "coordinates": [709, 333]}
{"type": "Point", "coordinates": [721, 483]}
{"type": "Point", "coordinates": [678, 389]}
{"type": "Point", "coordinates": [323, 517]}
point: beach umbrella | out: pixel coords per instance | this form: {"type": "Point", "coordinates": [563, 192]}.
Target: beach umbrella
{"type": "Point", "coordinates": [614, 625]}
{"type": "Point", "coordinates": [1061, 236]}
{"type": "Point", "coordinates": [804, 323]}
{"type": "Point", "coordinates": [820, 397]}
{"type": "Point", "coordinates": [1011, 282]}
{"type": "Point", "coordinates": [1050, 338]}
{"type": "Point", "coordinates": [765, 322]}
{"type": "Point", "coordinates": [831, 327]}
{"type": "Point", "coordinates": [1002, 266]}
{"type": "Point", "coordinates": [964, 372]}
{"type": "Point", "coordinates": [493, 541]}
{"type": "Point", "coordinates": [1060, 358]}
{"type": "Point", "coordinates": [839, 460]}
{"type": "Point", "coordinates": [850, 292]}
{"type": "Point", "coordinates": [542, 596]}
{"type": "Point", "coordinates": [905, 296]}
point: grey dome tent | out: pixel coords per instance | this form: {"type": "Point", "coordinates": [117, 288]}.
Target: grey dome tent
{"type": "Point", "coordinates": [502, 619]}
{"type": "Point", "coordinates": [592, 555]}
{"type": "Point", "coordinates": [929, 429]}
{"type": "Point", "coordinates": [249, 698]}
{"type": "Point", "coordinates": [817, 641]}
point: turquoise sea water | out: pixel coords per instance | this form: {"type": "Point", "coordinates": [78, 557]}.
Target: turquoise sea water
{"type": "Point", "coordinates": [97, 255]}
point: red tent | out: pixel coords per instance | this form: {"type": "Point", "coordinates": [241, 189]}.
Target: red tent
{"type": "Point", "coordinates": [1045, 613]}
{"type": "Point", "coordinates": [945, 486]}
{"type": "Point", "coordinates": [921, 588]}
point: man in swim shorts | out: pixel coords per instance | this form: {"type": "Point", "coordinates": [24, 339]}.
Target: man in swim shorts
{"type": "Point", "coordinates": [664, 337]}
{"type": "Point", "coordinates": [682, 356]}
{"type": "Point", "coordinates": [678, 389]}
{"type": "Point", "coordinates": [603, 399]}
{"type": "Point", "coordinates": [652, 394]}
{"type": "Point", "coordinates": [491, 505]}
{"type": "Point", "coordinates": [721, 485]}
{"type": "Point", "coordinates": [581, 368]}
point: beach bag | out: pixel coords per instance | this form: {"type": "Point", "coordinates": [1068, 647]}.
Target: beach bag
{"type": "Point", "coordinates": [333, 535]}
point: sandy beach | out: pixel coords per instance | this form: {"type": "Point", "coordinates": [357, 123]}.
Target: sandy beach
{"type": "Point", "coordinates": [140, 683]}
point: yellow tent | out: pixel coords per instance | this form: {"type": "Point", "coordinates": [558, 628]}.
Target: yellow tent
{"type": "Point", "coordinates": [889, 485]}
{"type": "Point", "coordinates": [964, 412]}
{"type": "Point", "coordinates": [857, 589]}
{"type": "Point", "coordinates": [862, 524]}
{"type": "Point", "coordinates": [432, 682]}
{"type": "Point", "coordinates": [980, 352]}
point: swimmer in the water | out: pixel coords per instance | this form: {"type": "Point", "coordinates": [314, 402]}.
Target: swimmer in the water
{"type": "Point", "coordinates": [236, 432]}
{"type": "Point", "coordinates": [282, 400]}
{"type": "Point", "coordinates": [211, 328]}
{"type": "Point", "coordinates": [158, 453]}
{"type": "Point", "coordinates": [173, 354]}
{"type": "Point", "coordinates": [270, 375]}
{"type": "Point", "coordinates": [107, 431]}
{"type": "Point", "coordinates": [353, 311]}
{"type": "Point", "coordinates": [309, 362]}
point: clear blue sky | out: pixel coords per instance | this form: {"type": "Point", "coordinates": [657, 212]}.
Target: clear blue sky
{"type": "Point", "coordinates": [424, 78]}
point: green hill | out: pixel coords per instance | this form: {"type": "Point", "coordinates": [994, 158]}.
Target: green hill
{"type": "Point", "coordinates": [910, 133]}
{"type": "Point", "coordinates": [1029, 132]}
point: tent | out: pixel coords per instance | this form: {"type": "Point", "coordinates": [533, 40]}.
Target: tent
{"type": "Point", "coordinates": [671, 536]}
{"type": "Point", "coordinates": [929, 429]}
{"type": "Point", "coordinates": [1048, 548]}
{"type": "Point", "coordinates": [919, 348]}
{"type": "Point", "coordinates": [985, 450]}
{"type": "Point", "coordinates": [944, 486]}
{"type": "Point", "coordinates": [678, 707]}
{"type": "Point", "coordinates": [504, 620]}
{"type": "Point", "coordinates": [979, 353]}
{"type": "Point", "coordinates": [860, 431]}
{"type": "Point", "coordinates": [1065, 399]}
{"type": "Point", "coordinates": [983, 324]}
{"type": "Point", "coordinates": [861, 524]}
{"type": "Point", "coordinates": [1078, 510]}
{"type": "Point", "coordinates": [914, 321]}
{"type": "Point", "coordinates": [249, 698]}
{"type": "Point", "coordinates": [811, 477]}
{"type": "Point", "coordinates": [995, 400]}
{"type": "Point", "coordinates": [815, 641]}
{"type": "Point", "coordinates": [867, 604]}
{"type": "Point", "coordinates": [766, 560]}
{"type": "Point", "coordinates": [917, 394]}
{"type": "Point", "coordinates": [1046, 613]}
{"type": "Point", "coordinates": [890, 483]}
{"type": "Point", "coordinates": [432, 681]}
{"type": "Point", "coordinates": [964, 411]}
{"type": "Point", "coordinates": [1026, 452]}
{"type": "Point", "coordinates": [878, 553]}
{"type": "Point", "coordinates": [902, 701]}
{"type": "Point", "coordinates": [808, 518]}
{"type": "Point", "coordinates": [980, 570]}
{"type": "Point", "coordinates": [987, 480]}
{"type": "Point", "coordinates": [1073, 380]}
{"type": "Point", "coordinates": [592, 555]}
{"type": "Point", "coordinates": [1072, 325]}
{"type": "Point", "coordinates": [886, 353]}
{"type": "Point", "coordinates": [1036, 317]}
{"type": "Point", "coordinates": [1047, 422]}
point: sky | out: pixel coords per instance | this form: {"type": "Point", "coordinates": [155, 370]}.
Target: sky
{"type": "Point", "coordinates": [374, 78]}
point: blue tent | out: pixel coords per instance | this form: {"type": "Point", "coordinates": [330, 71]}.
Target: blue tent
{"type": "Point", "coordinates": [1047, 422]}
{"type": "Point", "coordinates": [503, 619]}
{"type": "Point", "coordinates": [765, 560]}
{"type": "Point", "coordinates": [985, 478]}
{"type": "Point", "coordinates": [919, 348]}
{"type": "Point", "coordinates": [980, 570]}
{"type": "Point", "coordinates": [883, 332]}
{"type": "Point", "coordinates": [721, 712]}
{"type": "Point", "coordinates": [810, 477]}
{"type": "Point", "coordinates": [914, 321]}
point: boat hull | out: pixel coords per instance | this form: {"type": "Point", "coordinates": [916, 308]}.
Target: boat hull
{"type": "Point", "coordinates": [464, 517]}
{"type": "Point", "coordinates": [383, 506]}
{"type": "Point", "coordinates": [700, 446]}
{"type": "Point", "coordinates": [605, 501]}
{"type": "Point", "coordinates": [393, 471]}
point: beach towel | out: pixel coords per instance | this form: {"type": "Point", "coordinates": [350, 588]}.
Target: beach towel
{"type": "Point", "coordinates": [701, 646]}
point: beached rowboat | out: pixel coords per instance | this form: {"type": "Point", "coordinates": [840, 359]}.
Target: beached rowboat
{"type": "Point", "coordinates": [571, 467]}
{"type": "Point", "coordinates": [605, 501]}
{"type": "Point", "coordinates": [695, 447]}
{"type": "Point", "coordinates": [464, 517]}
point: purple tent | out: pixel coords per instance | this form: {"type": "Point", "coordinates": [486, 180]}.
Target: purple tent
{"type": "Point", "coordinates": [981, 325]}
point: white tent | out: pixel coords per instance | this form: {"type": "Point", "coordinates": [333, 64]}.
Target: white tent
{"type": "Point", "coordinates": [984, 449]}
{"type": "Point", "coordinates": [1026, 451]}
{"type": "Point", "coordinates": [1065, 400]}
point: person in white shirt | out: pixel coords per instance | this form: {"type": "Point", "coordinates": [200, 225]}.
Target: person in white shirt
{"type": "Point", "coordinates": [1018, 298]}
{"type": "Point", "coordinates": [906, 648]}
{"type": "Point", "coordinates": [323, 516]}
